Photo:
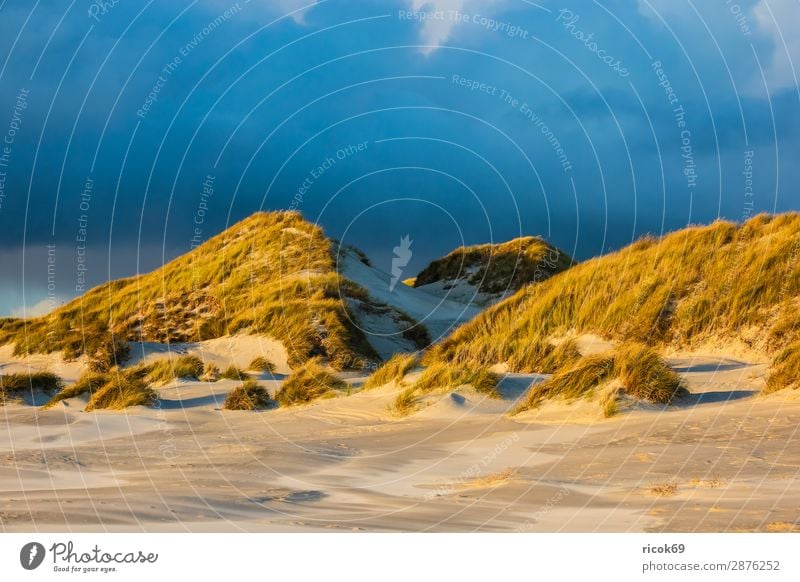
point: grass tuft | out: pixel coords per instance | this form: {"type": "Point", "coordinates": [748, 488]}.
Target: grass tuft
{"type": "Point", "coordinates": [250, 395]}
{"type": "Point", "coordinates": [261, 364]}
{"type": "Point", "coordinates": [234, 373]}
{"type": "Point", "coordinates": [88, 383]}
{"type": "Point", "coordinates": [393, 370]}
{"type": "Point", "coordinates": [167, 370]}
{"type": "Point", "coordinates": [785, 371]}
{"type": "Point", "coordinates": [308, 383]}
{"type": "Point", "coordinates": [641, 372]}
{"type": "Point", "coordinates": [123, 389]}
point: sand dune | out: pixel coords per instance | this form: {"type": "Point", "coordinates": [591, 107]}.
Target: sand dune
{"type": "Point", "coordinates": [720, 460]}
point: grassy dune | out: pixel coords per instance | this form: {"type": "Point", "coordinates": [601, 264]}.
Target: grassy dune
{"type": "Point", "coordinates": [497, 268]}
{"type": "Point", "coordinates": [272, 273]}
{"type": "Point", "coordinates": [720, 283]}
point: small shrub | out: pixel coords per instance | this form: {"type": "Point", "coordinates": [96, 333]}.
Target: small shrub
{"type": "Point", "coordinates": [124, 388]}
{"type": "Point", "coordinates": [248, 396]}
{"type": "Point", "coordinates": [233, 373]}
{"type": "Point", "coordinates": [393, 370]}
{"type": "Point", "coordinates": [262, 364]}
{"type": "Point", "coordinates": [307, 383]}
{"type": "Point", "coordinates": [89, 383]}
{"type": "Point", "coordinates": [163, 371]}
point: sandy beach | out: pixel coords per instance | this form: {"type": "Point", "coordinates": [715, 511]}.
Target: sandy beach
{"type": "Point", "coordinates": [721, 459]}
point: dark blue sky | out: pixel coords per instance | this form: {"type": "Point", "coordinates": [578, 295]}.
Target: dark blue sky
{"type": "Point", "coordinates": [590, 123]}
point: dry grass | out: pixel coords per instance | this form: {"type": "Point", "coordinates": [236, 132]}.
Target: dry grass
{"type": "Point", "coordinates": [123, 389]}
{"type": "Point", "coordinates": [721, 283]}
{"type": "Point", "coordinates": [30, 381]}
{"type": "Point", "coordinates": [211, 372]}
{"type": "Point", "coordinates": [640, 371]}
{"type": "Point", "coordinates": [167, 370]}
{"type": "Point", "coordinates": [261, 364]}
{"type": "Point", "coordinates": [663, 490]}
{"type": "Point", "coordinates": [308, 383]}
{"type": "Point", "coordinates": [233, 373]}
{"type": "Point", "coordinates": [272, 273]}
{"type": "Point", "coordinates": [249, 396]}
{"type": "Point", "coordinates": [88, 383]}
{"type": "Point", "coordinates": [393, 370]}
{"type": "Point", "coordinates": [439, 375]}
{"type": "Point", "coordinates": [405, 403]}
{"type": "Point", "coordinates": [785, 369]}
{"type": "Point", "coordinates": [498, 268]}
{"type": "Point", "coordinates": [442, 376]}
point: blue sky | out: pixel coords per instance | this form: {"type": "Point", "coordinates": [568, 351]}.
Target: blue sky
{"type": "Point", "coordinates": [451, 121]}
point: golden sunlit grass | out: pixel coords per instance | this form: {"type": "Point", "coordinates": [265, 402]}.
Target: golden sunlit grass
{"type": "Point", "coordinates": [663, 490]}
{"type": "Point", "coordinates": [250, 395]}
{"type": "Point", "coordinates": [393, 370]}
{"type": "Point", "coordinates": [639, 370]}
{"type": "Point", "coordinates": [123, 389]}
{"type": "Point", "coordinates": [13, 385]}
{"type": "Point", "coordinates": [88, 383]}
{"type": "Point", "coordinates": [261, 364]}
{"type": "Point", "coordinates": [498, 268]}
{"type": "Point", "coordinates": [308, 383]}
{"type": "Point", "coordinates": [272, 273]}
{"type": "Point", "coordinates": [167, 370]}
{"type": "Point", "coordinates": [722, 283]}
{"type": "Point", "coordinates": [233, 373]}
{"type": "Point", "coordinates": [442, 377]}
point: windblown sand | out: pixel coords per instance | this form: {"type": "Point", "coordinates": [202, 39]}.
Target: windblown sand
{"type": "Point", "coordinates": [724, 459]}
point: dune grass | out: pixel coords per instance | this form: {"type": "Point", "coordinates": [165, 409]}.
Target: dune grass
{"type": "Point", "coordinates": [640, 371]}
{"type": "Point", "coordinates": [393, 370]}
{"type": "Point", "coordinates": [440, 375]}
{"type": "Point", "coordinates": [444, 376]}
{"type": "Point", "coordinates": [308, 383]}
{"type": "Point", "coordinates": [169, 369]}
{"type": "Point", "coordinates": [233, 373]}
{"type": "Point", "coordinates": [273, 273]}
{"type": "Point", "coordinates": [250, 395]}
{"type": "Point", "coordinates": [30, 381]}
{"type": "Point", "coordinates": [261, 364]}
{"type": "Point", "coordinates": [211, 372]}
{"type": "Point", "coordinates": [405, 402]}
{"type": "Point", "coordinates": [542, 357]}
{"type": "Point", "coordinates": [722, 283]}
{"type": "Point", "coordinates": [498, 268]}
{"type": "Point", "coordinates": [785, 371]}
{"type": "Point", "coordinates": [123, 389]}
{"type": "Point", "coordinates": [88, 383]}
{"type": "Point", "coordinates": [13, 385]}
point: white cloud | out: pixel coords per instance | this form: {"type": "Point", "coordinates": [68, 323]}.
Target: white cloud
{"type": "Point", "coordinates": [778, 19]}
{"type": "Point", "coordinates": [43, 307]}
{"type": "Point", "coordinates": [434, 32]}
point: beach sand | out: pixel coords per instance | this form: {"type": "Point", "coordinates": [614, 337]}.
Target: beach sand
{"type": "Point", "coordinates": [723, 459]}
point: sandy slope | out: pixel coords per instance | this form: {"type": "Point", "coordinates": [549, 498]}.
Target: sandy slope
{"type": "Point", "coordinates": [440, 315]}
{"type": "Point", "coordinates": [460, 464]}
